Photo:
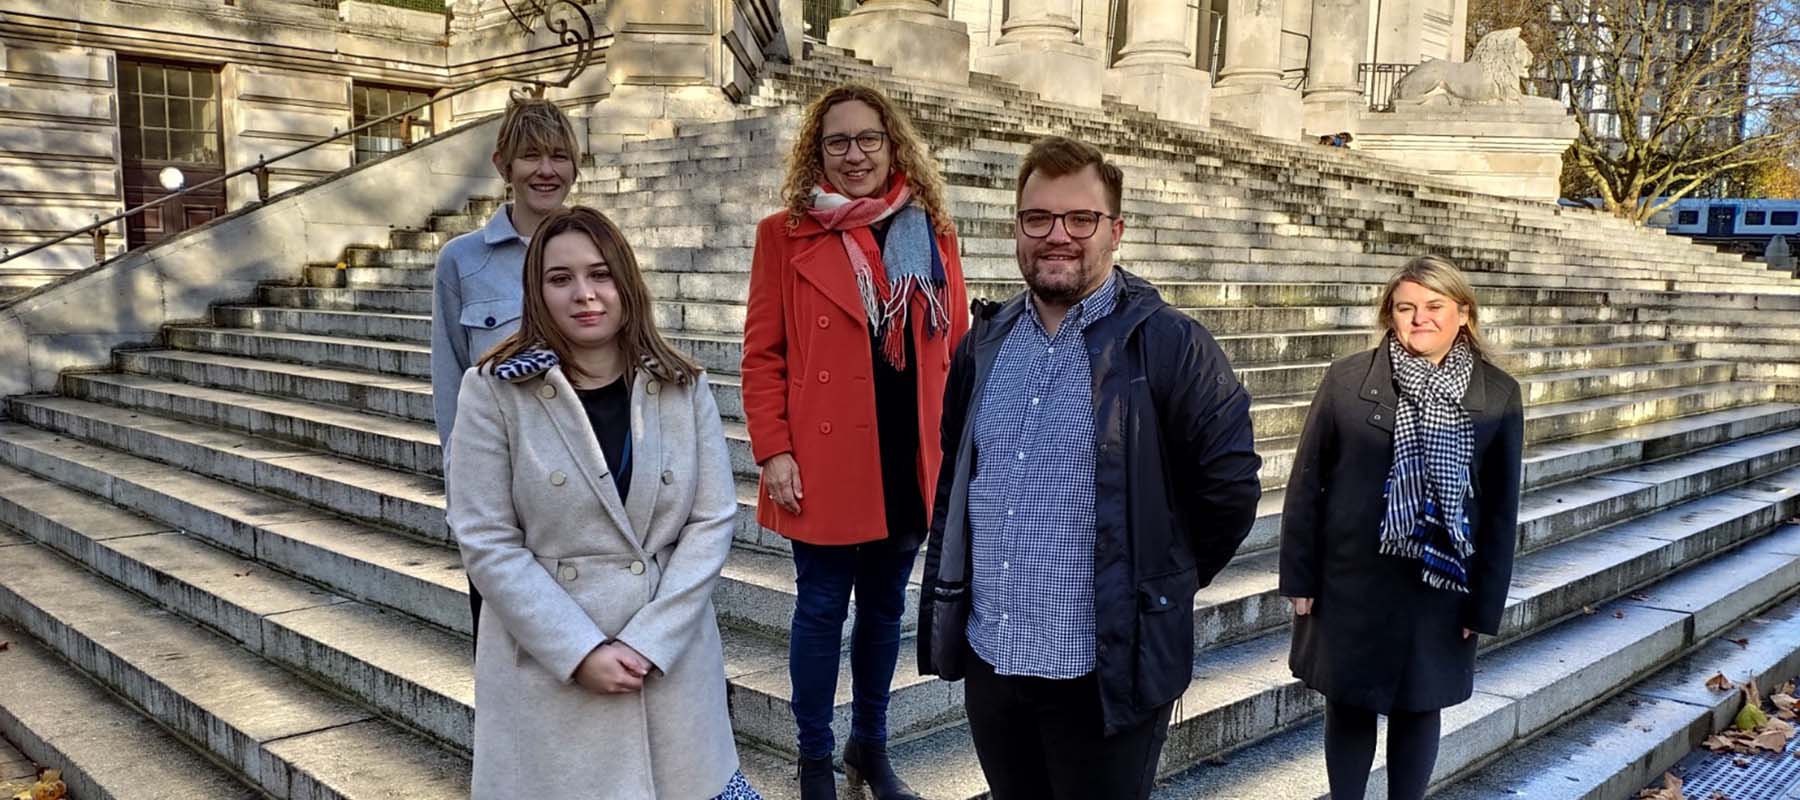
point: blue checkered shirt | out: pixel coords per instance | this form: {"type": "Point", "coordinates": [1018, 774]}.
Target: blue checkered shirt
{"type": "Point", "coordinates": [1031, 503]}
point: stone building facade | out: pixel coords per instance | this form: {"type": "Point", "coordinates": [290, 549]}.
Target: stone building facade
{"type": "Point", "coordinates": [107, 104]}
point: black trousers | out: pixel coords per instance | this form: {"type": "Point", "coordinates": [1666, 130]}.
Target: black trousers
{"type": "Point", "coordinates": [1350, 751]}
{"type": "Point", "coordinates": [1040, 739]}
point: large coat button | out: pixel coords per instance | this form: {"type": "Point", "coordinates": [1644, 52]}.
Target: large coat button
{"type": "Point", "coordinates": [567, 572]}
{"type": "Point", "coordinates": [489, 322]}
{"type": "Point", "coordinates": [558, 479]}
{"type": "Point", "coordinates": [668, 477]}
{"type": "Point", "coordinates": [652, 388]}
{"type": "Point", "coordinates": [824, 321]}
{"type": "Point", "coordinates": [547, 391]}
{"type": "Point", "coordinates": [637, 567]}
{"type": "Point", "coordinates": [825, 428]}
{"type": "Point", "coordinates": [824, 376]}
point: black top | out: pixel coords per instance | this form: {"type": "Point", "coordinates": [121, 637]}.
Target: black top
{"type": "Point", "coordinates": [897, 429]}
{"type": "Point", "coordinates": [609, 412]}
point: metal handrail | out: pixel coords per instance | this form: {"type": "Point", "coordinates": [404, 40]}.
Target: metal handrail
{"type": "Point", "coordinates": [585, 41]}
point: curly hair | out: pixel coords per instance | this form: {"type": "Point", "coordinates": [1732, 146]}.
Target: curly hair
{"type": "Point", "coordinates": [806, 162]}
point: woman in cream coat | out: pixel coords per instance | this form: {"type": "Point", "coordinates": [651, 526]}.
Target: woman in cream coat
{"type": "Point", "coordinates": [594, 507]}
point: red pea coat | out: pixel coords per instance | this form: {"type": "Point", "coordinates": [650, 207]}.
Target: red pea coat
{"type": "Point", "coordinates": [808, 377]}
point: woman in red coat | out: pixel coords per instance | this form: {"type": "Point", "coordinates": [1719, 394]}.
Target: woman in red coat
{"type": "Point", "coordinates": [856, 303]}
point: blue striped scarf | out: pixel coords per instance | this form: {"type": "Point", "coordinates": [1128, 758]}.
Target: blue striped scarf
{"type": "Point", "coordinates": [1434, 445]}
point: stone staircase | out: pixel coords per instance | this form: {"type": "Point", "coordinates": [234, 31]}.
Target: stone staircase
{"type": "Point", "coordinates": [239, 533]}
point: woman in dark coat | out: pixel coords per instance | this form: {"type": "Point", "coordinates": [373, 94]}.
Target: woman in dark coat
{"type": "Point", "coordinates": [1398, 532]}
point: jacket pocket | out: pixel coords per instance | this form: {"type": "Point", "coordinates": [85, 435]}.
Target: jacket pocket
{"type": "Point", "coordinates": [1165, 638]}
{"type": "Point", "coordinates": [948, 606]}
{"type": "Point", "coordinates": [488, 322]}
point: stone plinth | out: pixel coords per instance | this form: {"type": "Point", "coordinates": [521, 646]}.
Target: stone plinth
{"type": "Point", "coordinates": [1511, 149]}
{"type": "Point", "coordinates": [1061, 72]}
{"type": "Point", "coordinates": [1174, 92]}
{"type": "Point", "coordinates": [914, 39]}
{"type": "Point", "coordinates": [1266, 109]}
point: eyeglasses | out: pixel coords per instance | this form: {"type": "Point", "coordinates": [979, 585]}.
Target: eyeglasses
{"type": "Point", "coordinates": [867, 141]}
{"type": "Point", "coordinates": [1037, 223]}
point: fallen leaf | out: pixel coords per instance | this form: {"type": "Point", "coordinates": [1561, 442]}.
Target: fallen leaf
{"type": "Point", "coordinates": [1618, 615]}
{"type": "Point", "coordinates": [1772, 741]}
{"type": "Point", "coordinates": [1740, 642]}
{"type": "Point", "coordinates": [1588, 610]}
{"type": "Point", "coordinates": [48, 787]}
{"type": "Point", "coordinates": [1786, 688]}
{"type": "Point", "coordinates": [1671, 790]}
{"type": "Point", "coordinates": [1719, 683]}
{"type": "Point", "coordinates": [1740, 761]}
{"type": "Point", "coordinates": [1750, 718]}
{"type": "Point", "coordinates": [244, 574]}
{"type": "Point", "coordinates": [1640, 597]}
{"type": "Point", "coordinates": [5, 645]}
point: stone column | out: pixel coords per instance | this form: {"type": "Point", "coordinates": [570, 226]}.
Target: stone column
{"type": "Point", "coordinates": [1039, 50]}
{"type": "Point", "coordinates": [1334, 96]}
{"type": "Point", "coordinates": [914, 38]}
{"type": "Point", "coordinates": [663, 66]}
{"type": "Point", "coordinates": [1156, 67]}
{"type": "Point", "coordinates": [1250, 92]}
{"type": "Point", "coordinates": [1399, 31]}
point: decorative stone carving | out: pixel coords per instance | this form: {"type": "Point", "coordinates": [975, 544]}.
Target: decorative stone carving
{"type": "Point", "coordinates": [1501, 60]}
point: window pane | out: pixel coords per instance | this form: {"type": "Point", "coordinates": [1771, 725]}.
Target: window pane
{"type": "Point", "coordinates": [152, 79]}
{"type": "Point", "coordinates": [204, 87]}
{"type": "Point", "coordinates": [185, 146]}
{"type": "Point", "coordinates": [1754, 217]}
{"type": "Point", "coordinates": [155, 112]}
{"type": "Point", "coordinates": [207, 117]}
{"type": "Point", "coordinates": [1785, 218]}
{"type": "Point", "coordinates": [128, 111]}
{"type": "Point", "coordinates": [128, 77]}
{"type": "Point", "coordinates": [156, 144]}
{"type": "Point", "coordinates": [181, 114]}
{"type": "Point", "coordinates": [177, 82]}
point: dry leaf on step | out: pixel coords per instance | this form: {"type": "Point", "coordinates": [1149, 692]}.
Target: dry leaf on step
{"type": "Point", "coordinates": [1786, 688]}
{"type": "Point", "coordinates": [1618, 615]}
{"type": "Point", "coordinates": [1740, 642]}
{"type": "Point", "coordinates": [1671, 790]}
{"type": "Point", "coordinates": [48, 787]}
{"type": "Point", "coordinates": [1719, 683]}
{"type": "Point", "coordinates": [1588, 610]}
{"type": "Point", "coordinates": [1640, 597]}
{"type": "Point", "coordinates": [5, 645]}
{"type": "Point", "coordinates": [1772, 741]}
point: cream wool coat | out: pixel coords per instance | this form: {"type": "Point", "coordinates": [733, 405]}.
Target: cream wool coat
{"type": "Point", "coordinates": [564, 566]}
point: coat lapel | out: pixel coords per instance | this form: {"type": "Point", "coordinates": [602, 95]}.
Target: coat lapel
{"type": "Point", "coordinates": [823, 263]}
{"type": "Point", "coordinates": [564, 409]}
{"type": "Point", "coordinates": [646, 451]}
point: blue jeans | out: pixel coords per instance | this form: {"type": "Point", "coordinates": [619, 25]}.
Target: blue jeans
{"type": "Point", "coordinates": [825, 577]}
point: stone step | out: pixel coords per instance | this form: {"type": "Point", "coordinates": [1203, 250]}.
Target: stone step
{"type": "Point", "coordinates": [106, 749]}
{"type": "Point", "coordinates": [352, 390]}
{"type": "Point", "coordinates": [290, 737]}
{"type": "Point", "coordinates": [1548, 686]}
{"type": "Point", "coordinates": [1243, 693]}
{"type": "Point", "coordinates": [410, 671]}
{"type": "Point", "coordinates": [394, 301]}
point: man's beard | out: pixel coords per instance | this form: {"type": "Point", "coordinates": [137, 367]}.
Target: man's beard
{"type": "Point", "coordinates": [1066, 290]}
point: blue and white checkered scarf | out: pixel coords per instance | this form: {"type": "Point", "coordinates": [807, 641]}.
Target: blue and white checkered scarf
{"type": "Point", "coordinates": [1434, 445]}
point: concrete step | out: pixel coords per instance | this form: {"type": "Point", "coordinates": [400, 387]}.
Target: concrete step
{"type": "Point", "coordinates": [105, 748]}
{"type": "Point", "coordinates": [290, 737]}
{"type": "Point", "coordinates": [1549, 684]}
{"type": "Point", "coordinates": [411, 671]}
{"type": "Point", "coordinates": [350, 390]}
{"type": "Point", "coordinates": [396, 301]}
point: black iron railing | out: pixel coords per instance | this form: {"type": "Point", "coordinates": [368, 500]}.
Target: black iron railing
{"type": "Point", "coordinates": [1378, 81]}
{"type": "Point", "coordinates": [566, 19]}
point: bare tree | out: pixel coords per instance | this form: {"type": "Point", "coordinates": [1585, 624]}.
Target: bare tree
{"type": "Point", "coordinates": [1672, 97]}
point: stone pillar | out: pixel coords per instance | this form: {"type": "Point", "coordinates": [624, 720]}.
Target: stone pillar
{"type": "Point", "coordinates": [1250, 92]}
{"type": "Point", "coordinates": [1156, 67]}
{"type": "Point", "coordinates": [914, 38]}
{"type": "Point", "coordinates": [664, 66]}
{"type": "Point", "coordinates": [1334, 97]}
{"type": "Point", "coordinates": [1039, 50]}
{"type": "Point", "coordinates": [1399, 31]}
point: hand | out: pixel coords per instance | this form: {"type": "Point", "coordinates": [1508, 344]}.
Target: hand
{"type": "Point", "coordinates": [781, 480]}
{"type": "Point", "coordinates": [1467, 633]}
{"type": "Point", "coordinates": [1302, 605]}
{"type": "Point", "coordinates": [612, 668]}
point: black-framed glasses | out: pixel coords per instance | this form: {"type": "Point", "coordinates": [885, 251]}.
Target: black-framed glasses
{"type": "Point", "coordinates": [1079, 224]}
{"type": "Point", "coordinates": [867, 141]}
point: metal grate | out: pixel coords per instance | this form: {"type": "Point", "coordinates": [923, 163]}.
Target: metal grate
{"type": "Point", "coordinates": [1770, 776]}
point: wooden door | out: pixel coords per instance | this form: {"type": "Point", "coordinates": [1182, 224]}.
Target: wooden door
{"type": "Point", "coordinates": [169, 119]}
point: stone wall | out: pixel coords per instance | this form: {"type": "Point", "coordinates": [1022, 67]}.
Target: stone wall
{"type": "Point", "coordinates": [59, 154]}
{"type": "Point", "coordinates": [76, 323]}
{"type": "Point", "coordinates": [272, 110]}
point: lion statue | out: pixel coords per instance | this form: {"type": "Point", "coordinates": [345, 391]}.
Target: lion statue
{"type": "Point", "coordinates": [1492, 76]}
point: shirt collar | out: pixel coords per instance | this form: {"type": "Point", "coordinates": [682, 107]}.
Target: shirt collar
{"type": "Point", "coordinates": [1085, 313]}
{"type": "Point", "coordinates": [499, 228]}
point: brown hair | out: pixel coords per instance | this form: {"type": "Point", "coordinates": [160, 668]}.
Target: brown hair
{"type": "Point", "coordinates": [806, 162]}
{"type": "Point", "coordinates": [533, 124]}
{"type": "Point", "coordinates": [1056, 156]}
{"type": "Point", "coordinates": [1440, 275]}
{"type": "Point", "coordinates": [640, 344]}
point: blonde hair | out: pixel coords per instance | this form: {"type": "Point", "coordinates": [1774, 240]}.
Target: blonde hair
{"type": "Point", "coordinates": [806, 162]}
{"type": "Point", "coordinates": [640, 343]}
{"type": "Point", "coordinates": [533, 124]}
{"type": "Point", "coordinates": [1440, 275]}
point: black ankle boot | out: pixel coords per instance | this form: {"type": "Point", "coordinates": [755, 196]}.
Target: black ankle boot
{"type": "Point", "coordinates": [817, 780]}
{"type": "Point", "coordinates": [867, 764]}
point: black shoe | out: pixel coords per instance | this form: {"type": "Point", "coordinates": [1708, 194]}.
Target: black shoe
{"type": "Point", "coordinates": [817, 780]}
{"type": "Point", "coordinates": [867, 765]}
